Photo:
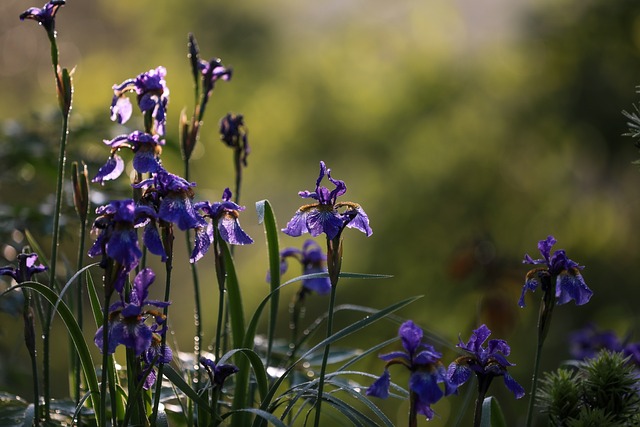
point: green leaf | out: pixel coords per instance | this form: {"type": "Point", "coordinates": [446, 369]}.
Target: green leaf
{"type": "Point", "coordinates": [236, 311]}
{"type": "Point", "coordinates": [182, 385]}
{"type": "Point", "coordinates": [492, 414]}
{"type": "Point", "coordinates": [76, 336]}
{"type": "Point", "coordinates": [259, 412]}
{"type": "Point", "coordinates": [357, 326]}
{"type": "Point", "coordinates": [266, 217]}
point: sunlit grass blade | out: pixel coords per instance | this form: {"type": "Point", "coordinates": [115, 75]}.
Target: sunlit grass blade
{"type": "Point", "coordinates": [67, 286]}
{"type": "Point", "coordinates": [76, 335]}
{"type": "Point", "coordinates": [266, 217]}
{"type": "Point", "coordinates": [177, 380]}
{"type": "Point", "coordinates": [267, 416]}
{"type": "Point", "coordinates": [357, 326]}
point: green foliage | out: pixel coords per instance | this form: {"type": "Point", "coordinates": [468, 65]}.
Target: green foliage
{"type": "Point", "coordinates": [602, 391]}
{"type": "Point", "coordinates": [492, 413]}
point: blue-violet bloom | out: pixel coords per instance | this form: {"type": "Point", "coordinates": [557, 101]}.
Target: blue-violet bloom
{"type": "Point", "coordinates": [147, 149]}
{"type": "Point", "coordinates": [486, 363]}
{"type": "Point", "coordinates": [154, 355]}
{"type": "Point", "coordinates": [233, 133]}
{"type": "Point", "coordinates": [224, 215]}
{"type": "Point", "coordinates": [45, 16]}
{"type": "Point", "coordinates": [587, 342]}
{"type": "Point", "coordinates": [423, 361]}
{"type": "Point", "coordinates": [557, 267]}
{"type": "Point", "coordinates": [172, 197]}
{"type": "Point", "coordinates": [117, 238]}
{"type": "Point", "coordinates": [153, 97]}
{"type": "Point", "coordinates": [128, 320]}
{"type": "Point", "coordinates": [324, 215]}
{"type": "Point", "coordinates": [218, 373]}
{"type": "Point", "coordinates": [27, 266]}
{"type": "Point", "coordinates": [313, 261]}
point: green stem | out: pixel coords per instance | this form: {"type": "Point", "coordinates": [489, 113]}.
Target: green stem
{"type": "Point", "coordinates": [30, 341]}
{"type": "Point", "coordinates": [168, 244]}
{"type": "Point", "coordinates": [334, 265]}
{"type": "Point", "coordinates": [413, 413]}
{"type": "Point", "coordinates": [483, 387]}
{"type": "Point", "coordinates": [197, 309]}
{"type": "Point", "coordinates": [105, 359]}
{"type": "Point", "coordinates": [76, 358]}
{"type": "Point", "coordinates": [544, 320]}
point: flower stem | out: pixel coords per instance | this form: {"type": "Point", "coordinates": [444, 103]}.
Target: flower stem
{"type": "Point", "coordinates": [30, 342]}
{"type": "Point", "coordinates": [77, 379]}
{"type": "Point", "coordinates": [197, 309]}
{"type": "Point", "coordinates": [168, 244]}
{"type": "Point", "coordinates": [105, 359]}
{"type": "Point", "coordinates": [544, 320]}
{"type": "Point", "coordinates": [334, 263]}
{"type": "Point", "coordinates": [56, 221]}
{"type": "Point", "coordinates": [413, 414]}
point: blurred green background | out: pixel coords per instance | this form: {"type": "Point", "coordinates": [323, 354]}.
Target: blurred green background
{"type": "Point", "coordinates": [467, 130]}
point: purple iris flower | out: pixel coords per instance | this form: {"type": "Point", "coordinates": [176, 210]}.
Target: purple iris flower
{"type": "Point", "coordinates": [117, 238]}
{"type": "Point", "coordinates": [45, 16]}
{"type": "Point", "coordinates": [128, 320]}
{"type": "Point", "coordinates": [27, 266]}
{"type": "Point", "coordinates": [313, 260]}
{"type": "Point", "coordinates": [213, 71]}
{"type": "Point", "coordinates": [224, 215]}
{"type": "Point", "coordinates": [486, 363]}
{"type": "Point", "coordinates": [172, 197]}
{"type": "Point", "coordinates": [218, 373]}
{"type": "Point", "coordinates": [153, 97]}
{"type": "Point", "coordinates": [147, 149]}
{"type": "Point", "coordinates": [587, 342]}
{"type": "Point", "coordinates": [155, 354]}
{"type": "Point", "coordinates": [234, 134]}
{"type": "Point", "coordinates": [324, 215]}
{"type": "Point", "coordinates": [568, 281]}
{"type": "Point", "coordinates": [423, 361]}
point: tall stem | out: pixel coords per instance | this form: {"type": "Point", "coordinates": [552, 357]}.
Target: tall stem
{"type": "Point", "coordinates": [54, 256]}
{"type": "Point", "coordinates": [413, 413]}
{"type": "Point", "coordinates": [544, 320]}
{"type": "Point", "coordinates": [76, 359]}
{"type": "Point", "coordinates": [168, 244]}
{"type": "Point", "coordinates": [30, 342]}
{"type": "Point", "coordinates": [334, 263]}
{"type": "Point", "coordinates": [197, 309]}
{"type": "Point", "coordinates": [56, 215]}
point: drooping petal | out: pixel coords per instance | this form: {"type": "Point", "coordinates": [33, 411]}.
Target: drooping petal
{"type": "Point", "coordinates": [458, 373]}
{"type": "Point", "coordinates": [231, 232]}
{"type": "Point", "coordinates": [571, 286]}
{"type": "Point", "coordinates": [201, 244]}
{"type": "Point", "coordinates": [110, 170]}
{"type": "Point", "coordinates": [531, 284]}
{"type": "Point", "coordinates": [320, 285]}
{"type": "Point", "coordinates": [121, 109]}
{"type": "Point", "coordinates": [297, 225]}
{"type": "Point", "coordinates": [513, 386]}
{"type": "Point", "coordinates": [146, 161]}
{"type": "Point", "coordinates": [361, 222]}
{"type": "Point", "coordinates": [153, 242]}
{"type": "Point", "coordinates": [380, 387]}
{"type": "Point", "coordinates": [425, 385]}
{"type": "Point", "coordinates": [123, 248]}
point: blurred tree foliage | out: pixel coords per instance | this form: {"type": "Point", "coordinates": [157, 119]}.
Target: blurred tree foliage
{"type": "Point", "coordinates": [464, 154]}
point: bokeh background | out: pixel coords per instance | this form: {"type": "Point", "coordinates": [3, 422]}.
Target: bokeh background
{"type": "Point", "coordinates": [467, 130]}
